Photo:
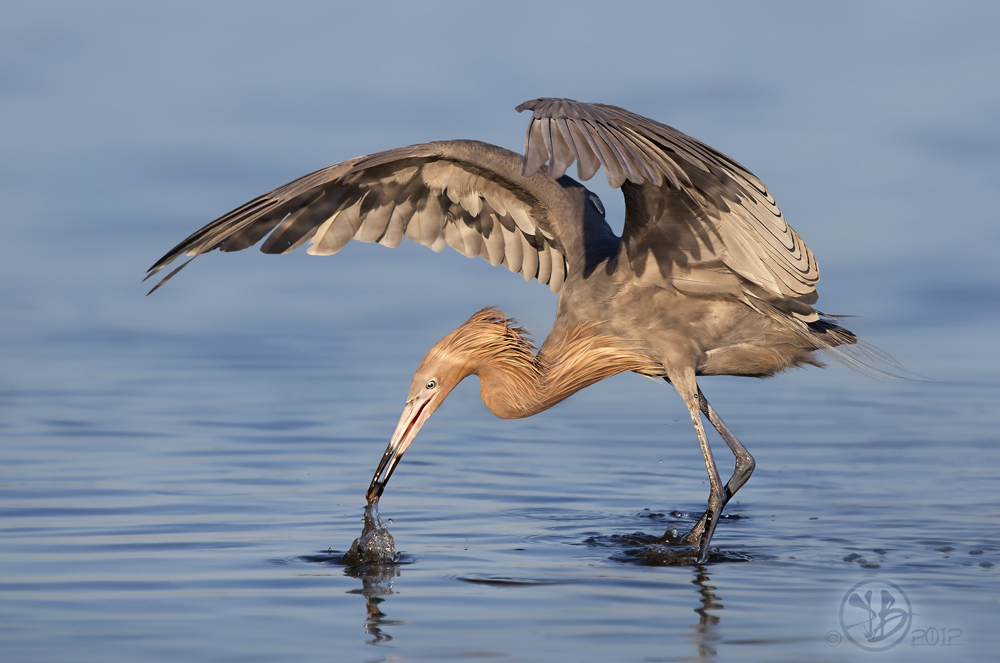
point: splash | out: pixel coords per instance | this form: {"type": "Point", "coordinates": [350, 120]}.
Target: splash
{"type": "Point", "coordinates": [375, 545]}
{"type": "Point", "coordinates": [666, 550]}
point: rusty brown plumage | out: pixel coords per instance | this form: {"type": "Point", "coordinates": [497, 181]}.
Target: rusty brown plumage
{"type": "Point", "coordinates": [516, 382]}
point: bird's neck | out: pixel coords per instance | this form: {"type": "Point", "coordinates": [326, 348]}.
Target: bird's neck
{"type": "Point", "coordinates": [517, 385]}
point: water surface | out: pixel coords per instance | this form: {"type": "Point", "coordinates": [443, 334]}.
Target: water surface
{"type": "Point", "coordinates": [200, 511]}
{"type": "Point", "coordinates": [180, 475]}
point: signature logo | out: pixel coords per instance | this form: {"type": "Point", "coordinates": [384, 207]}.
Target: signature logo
{"type": "Point", "coordinates": [875, 615]}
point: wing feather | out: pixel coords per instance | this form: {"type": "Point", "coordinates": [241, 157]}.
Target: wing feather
{"type": "Point", "coordinates": [559, 269]}
{"type": "Point", "coordinates": [588, 161]}
{"type": "Point", "coordinates": [467, 195]}
{"type": "Point", "coordinates": [338, 230]}
{"type": "Point", "coordinates": [544, 265]}
{"type": "Point", "coordinates": [513, 247]}
{"type": "Point", "coordinates": [428, 221]}
{"type": "Point", "coordinates": [472, 236]}
{"type": "Point", "coordinates": [301, 224]}
{"type": "Point", "coordinates": [529, 258]}
{"type": "Point", "coordinates": [738, 222]}
{"type": "Point", "coordinates": [252, 231]}
{"type": "Point", "coordinates": [493, 243]}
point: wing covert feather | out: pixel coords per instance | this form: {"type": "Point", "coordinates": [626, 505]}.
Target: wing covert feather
{"type": "Point", "coordinates": [733, 207]}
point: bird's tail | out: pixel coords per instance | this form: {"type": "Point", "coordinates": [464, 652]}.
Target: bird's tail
{"type": "Point", "coordinates": [827, 334]}
{"type": "Point", "coordinates": [839, 343]}
{"type": "Point", "coordinates": [844, 346]}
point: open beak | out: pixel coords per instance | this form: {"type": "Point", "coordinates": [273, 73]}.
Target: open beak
{"type": "Point", "coordinates": [414, 415]}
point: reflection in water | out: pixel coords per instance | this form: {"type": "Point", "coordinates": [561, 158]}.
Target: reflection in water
{"type": "Point", "coordinates": [704, 632]}
{"type": "Point", "coordinates": [372, 558]}
{"type": "Point", "coordinates": [376, 582]}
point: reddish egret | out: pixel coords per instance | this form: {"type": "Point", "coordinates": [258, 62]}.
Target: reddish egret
{"type": "Point", "coordinates": [707, 278]}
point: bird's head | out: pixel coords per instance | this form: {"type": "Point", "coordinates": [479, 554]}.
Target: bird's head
{"type": "Point", "coordinates": [465, 351]}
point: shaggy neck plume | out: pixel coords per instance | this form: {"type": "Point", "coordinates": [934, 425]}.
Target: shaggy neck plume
{"type": "Point", "coordinates": [517, 383]}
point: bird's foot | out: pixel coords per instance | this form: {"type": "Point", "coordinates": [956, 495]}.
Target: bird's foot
{"type": "Point", "coordinates": [694, 537]}
{"type": "Point", "coordinates": [697, 541]}
{"type": "Point", "coordinates": [671, 549]}
{"type": "Point", "coordinates": [700, 536]}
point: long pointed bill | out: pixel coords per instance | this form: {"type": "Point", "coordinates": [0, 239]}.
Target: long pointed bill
{"type": "Point", "coordinates": [414, 415]}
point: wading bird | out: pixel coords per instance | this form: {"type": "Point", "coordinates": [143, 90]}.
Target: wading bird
{"type": "Point", "coordinates": [707, 278]}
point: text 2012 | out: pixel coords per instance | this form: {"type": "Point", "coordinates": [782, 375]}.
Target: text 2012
{"type": "Point", "coordinates": [936, 637]}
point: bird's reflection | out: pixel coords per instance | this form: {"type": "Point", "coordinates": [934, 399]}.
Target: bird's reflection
{"type": "Point", "coordinates": [376, 583]}
{"type": "Point", "coordinates": [704, 633]}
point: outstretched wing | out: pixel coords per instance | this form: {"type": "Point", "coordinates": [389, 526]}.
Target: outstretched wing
{"type": "Point", "coordinates": [463, 194]}
{"type": "Point", "coordinates": [700, 216]}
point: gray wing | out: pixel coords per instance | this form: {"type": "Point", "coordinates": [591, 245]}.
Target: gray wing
{"type": "Point", "coordinates": [463, 194]}
{"type": "Point", "coordinates": [698, 215]}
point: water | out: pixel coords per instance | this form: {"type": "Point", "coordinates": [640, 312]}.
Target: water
{"type": "Point", "coordinates": [159, 506]}
{"type": "Point", "coordinates": [181, 475]}
{"type": "Point", "coordinates": [375, 546]}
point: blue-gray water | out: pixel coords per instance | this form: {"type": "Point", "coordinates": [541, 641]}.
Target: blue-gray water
{"type": "Point", "coordinates": [178, 473]}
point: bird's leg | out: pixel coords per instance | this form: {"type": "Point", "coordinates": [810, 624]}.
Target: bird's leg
{"type": "Point", "coordinates": [701, 534]}
{"type": "Point", "coordinates": [745, 463]}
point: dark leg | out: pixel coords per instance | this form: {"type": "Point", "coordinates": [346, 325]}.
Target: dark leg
{"type": "Point", "coordinates": [744, 464]}
{"type": "Point", "coordinates": [744, 461]}
{"type": "Point", "coordinates": [701, 534]}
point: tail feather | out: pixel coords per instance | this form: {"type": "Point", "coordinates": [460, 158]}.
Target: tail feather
{"type": "Point", "coordinates": [827, 334]}
{"type": "Point", "coordinates": [839, 343]}
{"type": "Point", "coordinates": [842, 345]}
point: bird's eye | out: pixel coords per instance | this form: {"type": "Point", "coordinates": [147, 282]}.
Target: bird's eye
{"type": "Point", "coordinates": [431, 384]}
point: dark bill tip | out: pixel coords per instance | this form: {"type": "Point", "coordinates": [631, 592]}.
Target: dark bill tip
{"type": "Point", "coordinates": [374, 491]}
